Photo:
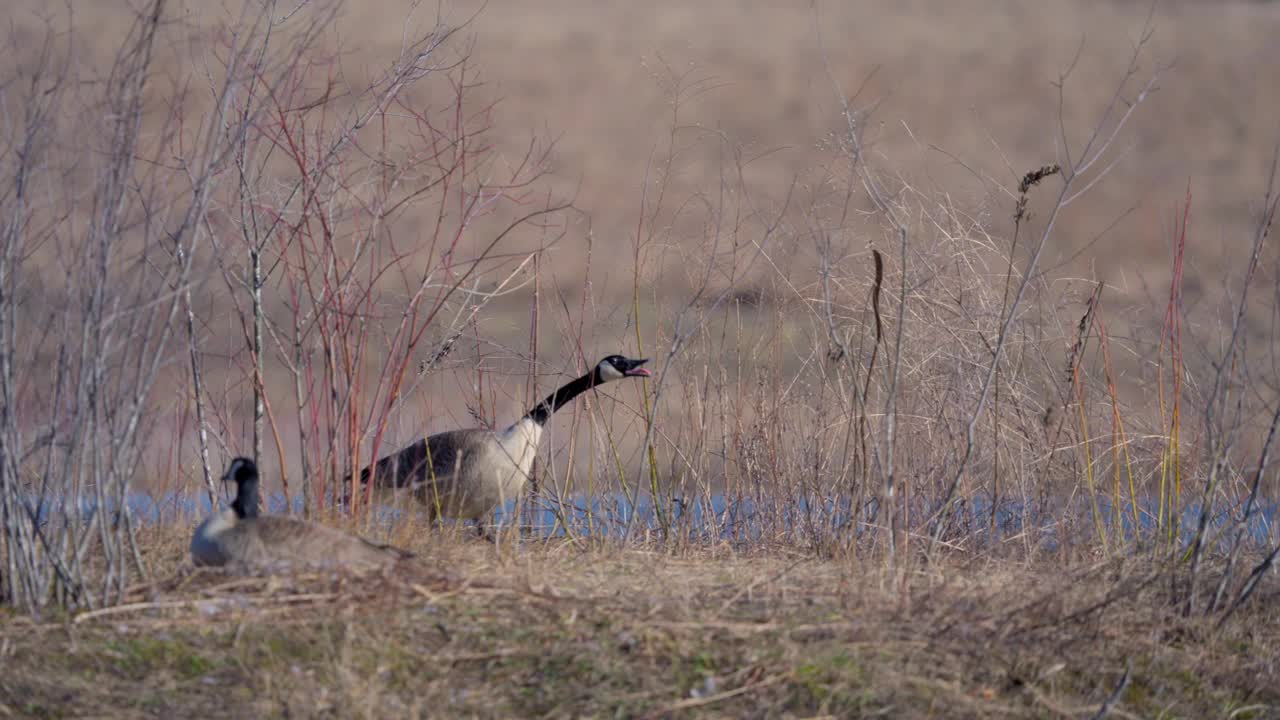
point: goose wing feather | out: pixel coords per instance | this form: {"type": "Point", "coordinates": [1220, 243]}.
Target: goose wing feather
{"type": "Point", "coordinates": [442, 453]}
{"type": "Point", "coordinates": [271, 541]}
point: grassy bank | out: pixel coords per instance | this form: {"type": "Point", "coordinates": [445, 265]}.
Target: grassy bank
{"type": "Point", "coordinates": [995, 440]}
{"type": "Point", "coordinates": [562, 631]}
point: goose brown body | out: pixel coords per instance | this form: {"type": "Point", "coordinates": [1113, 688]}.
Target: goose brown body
{"type": "Point", "coordinates": [471, 472]}
{"type": "Point", "coordinates": [462, 473]}
{"type": "Point", "coordinates": [238, 536]}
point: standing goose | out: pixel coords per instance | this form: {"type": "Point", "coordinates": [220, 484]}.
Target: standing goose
{"type": "Point", "coordinates": [239, 536]}
{"type": "Point", "coordinates": [470, 473]}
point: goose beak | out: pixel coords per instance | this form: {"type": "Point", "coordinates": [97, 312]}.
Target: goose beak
{"type": "Point", "coordinates": [636, 371]}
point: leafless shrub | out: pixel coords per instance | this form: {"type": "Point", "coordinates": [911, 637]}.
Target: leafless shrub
{"type": "Point", "coordinates": [269, 168]}
{"type": "Point", "coordinates": [79, 357]}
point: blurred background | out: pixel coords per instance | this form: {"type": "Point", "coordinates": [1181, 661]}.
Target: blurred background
{"type": "Point", "coordinates": [702, 208]}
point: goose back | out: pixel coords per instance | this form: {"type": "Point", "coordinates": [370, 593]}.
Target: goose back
{"type": "Point", "coordinates": [238, 536]}
{"type": "Point", "coordinates": [469, 473]}
{"type": "Point", "coordinates": [282, 542]}
{"type": "Point", "coordinates": [461, 473]}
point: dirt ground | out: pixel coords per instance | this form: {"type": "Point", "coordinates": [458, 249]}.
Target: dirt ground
{"type": "Point", "coordinates": [470, 630]}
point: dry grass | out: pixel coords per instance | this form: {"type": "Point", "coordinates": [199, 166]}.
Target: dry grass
{"type": "Point", "coordinates": [724, 214]}
{"type": "Point", "coordinates": [964, 103]}
{"type": "Point", "coordinates": [558, 631]}
{"type": "Point", "coordinates": [964, 95]}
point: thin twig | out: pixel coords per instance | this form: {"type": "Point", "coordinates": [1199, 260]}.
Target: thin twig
{"type": "Point", "coordinates": [1111, 702]}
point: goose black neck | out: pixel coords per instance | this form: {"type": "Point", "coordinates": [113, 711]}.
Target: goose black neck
{"type": "Point", "coordinates": [246, 503]}
{"type": "Point", "coordinates": [558, 399]}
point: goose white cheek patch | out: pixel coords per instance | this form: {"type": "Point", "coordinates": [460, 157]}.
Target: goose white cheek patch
{"type": "Point", "coordinates": [609, 372]}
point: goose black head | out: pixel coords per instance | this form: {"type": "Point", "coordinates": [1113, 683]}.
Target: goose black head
{"type": "Point", "coordinates": [616, 367]}
{"type": "Point", "coordinates": [244, 473]}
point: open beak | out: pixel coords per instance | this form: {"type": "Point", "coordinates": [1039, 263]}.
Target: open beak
{"type": "Point", "coordinates": [637, 371]}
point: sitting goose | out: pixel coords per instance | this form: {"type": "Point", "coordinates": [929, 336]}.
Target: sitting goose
{"type": "Point", "coordinates": [238, 536]}
{"type": "Point", "coordinates": [470, 473]}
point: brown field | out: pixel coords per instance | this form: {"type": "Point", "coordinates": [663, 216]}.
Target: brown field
{"type": "Point", "coordinates": [561, 630]}
{"type": "Point", "coordinates": [729, 111]}
{"type": "Point", "coordinates": [989, 509]}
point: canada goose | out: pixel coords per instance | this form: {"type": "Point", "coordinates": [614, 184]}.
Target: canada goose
{"type": "Point", "coordinates": [469, 473]}
{"type": "Point", "coordinates": [239, 536]}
